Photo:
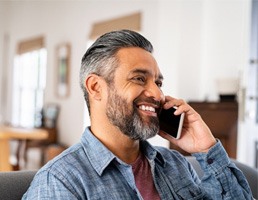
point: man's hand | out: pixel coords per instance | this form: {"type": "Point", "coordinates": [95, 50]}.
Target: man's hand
{"type": "Point", "coordinates": [196, 137]}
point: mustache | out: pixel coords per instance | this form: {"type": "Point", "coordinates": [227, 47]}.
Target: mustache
{"type": "Point", "coordinates": [148, 100]}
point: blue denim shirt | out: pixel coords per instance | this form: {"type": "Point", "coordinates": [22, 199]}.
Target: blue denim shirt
{"type": "Point", "coordinates": [88, 170]}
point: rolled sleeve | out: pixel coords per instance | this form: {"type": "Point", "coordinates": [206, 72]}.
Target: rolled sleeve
{"type": "Point", "coordinates": [215, 160]}
{"type": "Point", "coordinates": [221, 173]}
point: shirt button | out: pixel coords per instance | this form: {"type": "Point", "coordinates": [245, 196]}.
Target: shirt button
{"type": "Point", "coordinates": [210, 161]}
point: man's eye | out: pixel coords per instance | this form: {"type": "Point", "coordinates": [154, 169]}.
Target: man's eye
{"type": "Point", "coordinates": [159, 84]}
{"type": "Point", "coordinates": [140, 79]}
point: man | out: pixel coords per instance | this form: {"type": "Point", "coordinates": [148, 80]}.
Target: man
{"type": "Point", "coordinates": [122, 83]}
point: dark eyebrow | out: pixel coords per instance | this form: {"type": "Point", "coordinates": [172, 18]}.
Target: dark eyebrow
{"type": "Point", "coordinates": [146, 72]}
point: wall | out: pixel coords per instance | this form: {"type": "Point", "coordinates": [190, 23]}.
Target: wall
{"type": "Point", "coordinates": [195, 43]}
{"type": "Point", "coordinates": [4, 52]}
{"type": "Point", "coordinates": [225, 48]}
{"type": "Point", "coordinates": [1, 59]}
{"type": "Point", "coordinates": [205, 42]}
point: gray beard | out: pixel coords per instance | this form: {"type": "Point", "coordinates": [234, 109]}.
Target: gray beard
{"type": "Point", "coordinates": [129, 121]}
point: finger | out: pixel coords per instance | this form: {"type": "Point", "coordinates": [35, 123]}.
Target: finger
{"type": "Point", "coordinates": [184, 107]}
{"type": "Point", "coordinates": [171, 102]}
{"type": "Point", "coordinates": [180, 105]}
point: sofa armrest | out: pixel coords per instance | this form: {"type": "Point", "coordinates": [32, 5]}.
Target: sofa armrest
{"type": "Point", "coordinates": [14, 184]}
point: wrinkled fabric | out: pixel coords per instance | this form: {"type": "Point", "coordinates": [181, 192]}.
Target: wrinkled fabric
{"type": "Point", "coordinates": [88, 170]}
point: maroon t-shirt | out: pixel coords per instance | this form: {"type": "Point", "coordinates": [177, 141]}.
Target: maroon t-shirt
{"type": "Point", "coordinates": [143, 178]}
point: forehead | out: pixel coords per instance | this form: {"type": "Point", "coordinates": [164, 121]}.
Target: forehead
{"type": "Point", "coordinates": [134, 59]}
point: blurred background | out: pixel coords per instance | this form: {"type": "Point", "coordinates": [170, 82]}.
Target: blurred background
{"type": "Point", "coordinates": [207, 51]}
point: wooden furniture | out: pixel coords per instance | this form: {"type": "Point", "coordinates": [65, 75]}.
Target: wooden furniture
{"type": "Point", "coordinates": [42, 144]}
{"type": "Point", "coordinates": [20, 134]}
{"type": "Point", "coordinates": [222, 119]}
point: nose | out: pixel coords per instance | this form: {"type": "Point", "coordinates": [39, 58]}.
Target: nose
{"type": "Point", "coordinates": [153, 91]}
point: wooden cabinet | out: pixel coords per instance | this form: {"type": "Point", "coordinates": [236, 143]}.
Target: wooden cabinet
{"type": "Point", "coordinates": [42, 144]}
{"type": "Point", "coordinates": [222, 119]}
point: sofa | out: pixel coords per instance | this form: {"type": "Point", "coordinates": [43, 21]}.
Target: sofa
{"type": "Point", "coordinates": [14, 184]}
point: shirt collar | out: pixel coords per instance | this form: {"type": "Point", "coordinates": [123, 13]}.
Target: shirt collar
{"type": "Point", "coordinates": [152, 153]}
{"type": "Point", "coordinates": [100, 157]}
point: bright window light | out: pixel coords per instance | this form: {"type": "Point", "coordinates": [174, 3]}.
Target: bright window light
{"type": "Point", "coordinates": [28, 87]}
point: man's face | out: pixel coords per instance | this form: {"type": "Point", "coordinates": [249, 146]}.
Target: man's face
{"type": "Point", "coordinates": [135, 97]}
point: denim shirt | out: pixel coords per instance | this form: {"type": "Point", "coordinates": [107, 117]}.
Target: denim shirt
{"type": "Point", "coordinates": [88, 170]}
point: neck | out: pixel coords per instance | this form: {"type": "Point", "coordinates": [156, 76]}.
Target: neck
{"type": "Point", "coordinates": [118, 143]}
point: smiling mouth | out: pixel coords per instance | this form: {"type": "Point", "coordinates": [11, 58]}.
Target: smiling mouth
{"type": "Point", "coordinates": [148, 106]}
{"type": "Point", "coordinates": [149, 110]}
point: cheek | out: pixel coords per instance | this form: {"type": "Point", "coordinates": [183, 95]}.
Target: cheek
{"type": "Point", "coordinates": [105, 93]}
{"type": "Point", "coordinates": [129, 90]}
{"type": "Point", "coordinates": [132, 93]}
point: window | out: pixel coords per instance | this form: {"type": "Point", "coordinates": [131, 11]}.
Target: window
{"type": "Point", "coordinates": [29, 81]}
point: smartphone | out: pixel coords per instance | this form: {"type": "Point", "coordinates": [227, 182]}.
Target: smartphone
{"type": "Point", "coordinates": [170, 123]}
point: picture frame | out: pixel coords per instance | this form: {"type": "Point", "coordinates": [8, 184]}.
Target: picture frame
{"type": "Point", "coordinates": [63, 52]}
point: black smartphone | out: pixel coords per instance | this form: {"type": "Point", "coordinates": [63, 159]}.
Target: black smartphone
{"type": "Point", "coordinates": [170, 123]}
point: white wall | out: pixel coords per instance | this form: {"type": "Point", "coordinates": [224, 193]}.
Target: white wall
{"type": "Point", "coordinates": [195, 42]}
{"type": "Point", "coordinates": [225, 52]}
{"type": "Point", "coordinates": [1, 58]}
{"type": "Point", "coordinates": [181, 37]}
{"type": "Point", "coordinates": [202, 41]}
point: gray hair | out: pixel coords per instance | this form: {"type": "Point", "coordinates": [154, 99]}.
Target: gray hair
{"type": "Point", "coordinates": [100, 58]}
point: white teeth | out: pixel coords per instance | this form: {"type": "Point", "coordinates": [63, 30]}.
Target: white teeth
{"type": "Point", "coordinates": [147, 108]}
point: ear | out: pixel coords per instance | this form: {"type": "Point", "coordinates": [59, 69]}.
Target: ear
{"type": "Point", "coordinates": [93, 86]}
